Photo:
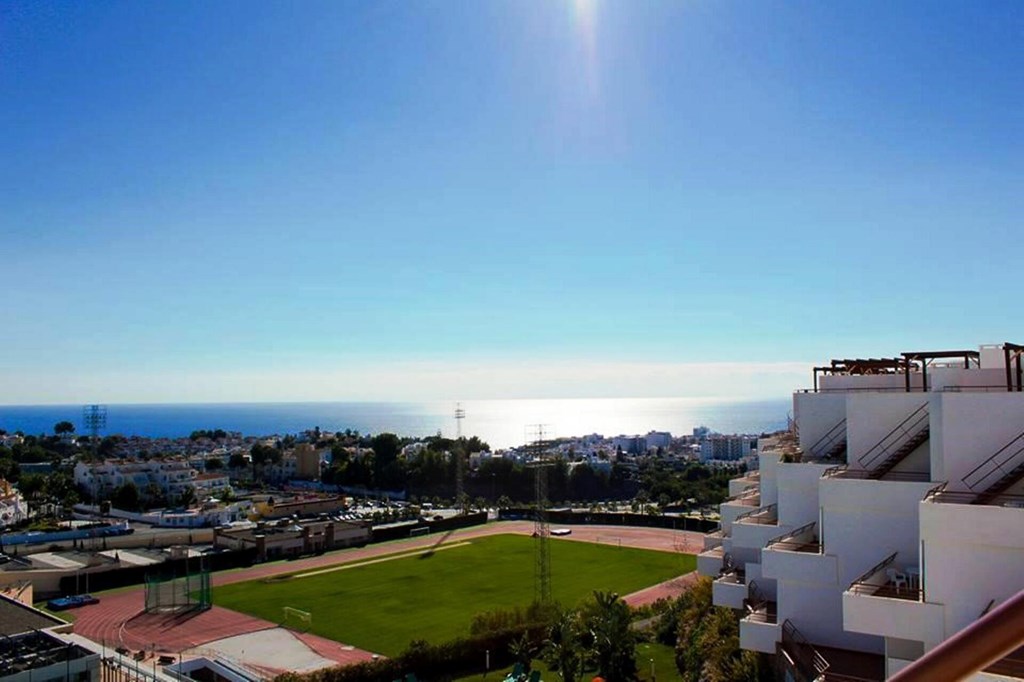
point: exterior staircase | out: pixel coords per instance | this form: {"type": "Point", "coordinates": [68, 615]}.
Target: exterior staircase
{"type": "Point", "coordinates": [896, 446]}
{"type": "Point", "coordinates": [998, 473]}
{"type": "Point", "coordinates": [831, 446]}
{"type": "Point", "coordinates": [900, 454]}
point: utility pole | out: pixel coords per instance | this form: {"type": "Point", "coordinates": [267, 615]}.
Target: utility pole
{"type": "Point", "coordinates": [460, 464]}
{"type": "Point", "coordinates": [541, 528]}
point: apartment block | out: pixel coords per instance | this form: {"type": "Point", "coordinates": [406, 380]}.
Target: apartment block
{"type": "Point", "coordinates": [890, 518]}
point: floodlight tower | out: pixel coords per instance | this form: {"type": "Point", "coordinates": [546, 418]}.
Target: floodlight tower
{"type": "Point", "coordinates": [460, 465]}
{"type": "Point", "coordinates": [541, 529]}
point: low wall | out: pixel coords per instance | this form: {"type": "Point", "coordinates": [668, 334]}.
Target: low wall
{"type": "Point", "coordinates": [450, 523]}
{"type": "Point", "coordinates": [559, 517]}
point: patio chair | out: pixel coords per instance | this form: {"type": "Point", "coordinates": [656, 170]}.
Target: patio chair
{"type": "Point", "coordinates": [897, 578]}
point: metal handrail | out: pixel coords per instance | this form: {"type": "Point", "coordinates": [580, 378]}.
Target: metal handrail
{"type": "Point", "coordinates": [830, 436]}
{"type": "Point", "coordinates": [783, 541]}
{"type": "Point", "coordinates": [883, 448]}
{"type": "Point", "coordinates": [875, 569]}
{"type": "Point", "coordinates": [843, 471]}
{"type": "Point", "coordinates": [747, 516]}
{"type": "Point", "coordinates": [998, 465]}
{"type": "Point", "coordinates": [802, 649]}
{"type": "Point", "coordinates": [862, 586]}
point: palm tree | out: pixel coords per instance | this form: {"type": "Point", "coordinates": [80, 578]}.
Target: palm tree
{"type": "Point", "coordinates": [562, 648]}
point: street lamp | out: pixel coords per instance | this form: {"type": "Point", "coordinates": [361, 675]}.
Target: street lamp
{"type": "Point", "coordinates": [653, 677]}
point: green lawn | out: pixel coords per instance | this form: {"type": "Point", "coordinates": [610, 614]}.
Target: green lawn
{"type": "Point", "coordinates": [383, 606]}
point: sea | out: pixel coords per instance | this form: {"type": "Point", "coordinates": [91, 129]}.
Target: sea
{"type": "Point", "coordinates": [501, 423]}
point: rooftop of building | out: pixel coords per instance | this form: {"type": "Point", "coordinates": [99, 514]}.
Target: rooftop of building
{"type": "Point", "coordinates": [16, 618]}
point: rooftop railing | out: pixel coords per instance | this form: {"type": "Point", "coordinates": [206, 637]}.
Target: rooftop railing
{"type": "Point", "coordinates": [749, 498]}
{"type": "Point", "coordinates": [884, 580]}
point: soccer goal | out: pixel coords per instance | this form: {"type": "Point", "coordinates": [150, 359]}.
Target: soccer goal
{"type": "Point", "coordinates": [422, 530]}
{"type": "Point", "coordinates": [296, 619]}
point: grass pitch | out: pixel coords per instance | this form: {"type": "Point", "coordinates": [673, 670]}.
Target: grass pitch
{"type": "Point", "coordinates": [383, 605]}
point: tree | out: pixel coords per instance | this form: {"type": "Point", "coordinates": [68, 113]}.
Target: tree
{"type": "Point", "coordinates": [237, 461]}
{"type": "Point", "coordinates": [31, 486]}
{"type": "Point", "coordinates": [187, 497]}
{"type": "Point", "coordinates": [562, 650]}
{"type": "Point", "coordinates": [126, 497]}
{"type": "Point", "coordinates": [60, 428]}
{"type": "Point", "coordinates": [214, 464]}
{"type": "Point", "coordinates": [614, 643]}
{"type": "Point", "coordinates": [504, 502]}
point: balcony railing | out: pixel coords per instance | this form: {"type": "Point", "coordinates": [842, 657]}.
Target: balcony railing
{"type": "Point", "coordinates": [758, 607]}
{"type": "Point", "coordinates": [765, 516]}
{"type": "Point", "coordinates": [884, 580]}
{"type": "Point", "coordinates": [801, 539]}
{"type": "Point", "coordinates": [941, 495]}
{"type": "Point", "coordinates": [844, 471]}
{"type": "Point", "coordinates": [731, 571]}
{"type": "Point", "coordinates": [748, 498]}
{"type": "Point", "coordinates": [809, 662]}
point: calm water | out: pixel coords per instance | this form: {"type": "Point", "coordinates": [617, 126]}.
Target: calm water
{"type": "Point", "coordinates": [502, 423]}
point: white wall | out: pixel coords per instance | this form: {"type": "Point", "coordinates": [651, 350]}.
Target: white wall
{"type": "Point", "coordinates": [816, 414]}
{"type": "Point", "coordinates": [971, 427]}
{"type": "Point", "coordinates": [798, 492]}
{"type": "Point", "coordinates": [972, 554]}
{"type": "Point", "coordinates": [864, 521]}
{"type": "Point", "coordinates": [871, 417]}
{"type": "Point", "coordinates": [817, 611]}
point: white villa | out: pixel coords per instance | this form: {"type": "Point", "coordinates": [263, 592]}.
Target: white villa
{"type": "Point", "coordinates": [888, 520]}
{"type": "Point", "coordinates": [12, 505]}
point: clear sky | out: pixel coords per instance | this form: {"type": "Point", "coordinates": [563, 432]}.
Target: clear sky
{"type": "Point", "coordinates": [490, 199]}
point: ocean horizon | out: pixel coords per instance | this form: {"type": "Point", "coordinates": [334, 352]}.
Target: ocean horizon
{"type": "Point", "coordinates": [501, 423]}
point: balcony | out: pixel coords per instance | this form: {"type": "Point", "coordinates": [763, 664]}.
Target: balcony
{"type": "Point", "coordinates": [759, 629]}
{"type": "Point", "coordinates": [941, 495]}
{"type": "Point", "coordinates": [798, 556]}
{"type": "Point", "coordinates": [709, 562]}
{"type": "Point", "coordinates": [844, 472]}
{"type": "Point", "coordinates": [714, 539]}
{"type": "Point", "coordinates": [762, 516]}
{"type": "Point", "coordinates": [888, 601]}
{"type": "Point", "coordinates": [730, 589]}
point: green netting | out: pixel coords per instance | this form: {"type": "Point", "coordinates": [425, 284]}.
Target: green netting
{"type": "Point", "coordinates": [191, 591]}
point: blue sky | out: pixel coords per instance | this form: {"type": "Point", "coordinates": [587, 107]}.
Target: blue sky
{"type": "Point", "coordinates": [223, 201]}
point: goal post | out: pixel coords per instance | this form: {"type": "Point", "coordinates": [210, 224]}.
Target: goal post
{"type": "Point", "coordinates": [293, 617]}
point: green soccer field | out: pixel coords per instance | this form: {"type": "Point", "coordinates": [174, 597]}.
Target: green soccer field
{"type": "Point", "coordinates": [382, 606]}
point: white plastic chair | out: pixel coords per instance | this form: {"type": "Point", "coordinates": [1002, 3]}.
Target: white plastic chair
{"type": "Point", "coordinates": [896, 578]}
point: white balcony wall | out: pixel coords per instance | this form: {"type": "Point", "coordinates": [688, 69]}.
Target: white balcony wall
{"type": "Point", "coordinates": [798, 492]}
{"type": "Point", "coordinates": [902, 618]}
{"type": "Point", "coordinates": [816, 414]}
{"type": "Point", "coordinates": [972, 554]}
{"type": "Point", "coordinates": [864, 521]}
{"type": "Point", "coordinates": [817, 611]}
{"type": "Point", "coordinates": [728, 594]}
{"type": "Point", "coordinates": [968, 428]}
{"type": "Point", "coordinates": [709, 563]}
{"type": "Point", "coordinates": [730, 510]}
{"type": "Point", "coordinates": [872, 417]}
{"type": "Point", "coordinates": [803, 566]}
{"type": "Point", "coordinates": [757, 636]}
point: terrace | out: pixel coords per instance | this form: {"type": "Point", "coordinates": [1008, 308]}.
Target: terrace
{"type": "Point", "coordinates": [941, 495]}
{"type": "Point", "coordinates": [889, 600]}
{"type": "Point", "coordinates": [802, 539]}
{"type": "Point", "coordinates": [762, 516]}
{"type": "Point", "coordinates": [843, 471]}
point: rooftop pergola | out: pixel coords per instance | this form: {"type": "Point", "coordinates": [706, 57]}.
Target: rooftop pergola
{"type": "Point", "coordinates": [923, 358]}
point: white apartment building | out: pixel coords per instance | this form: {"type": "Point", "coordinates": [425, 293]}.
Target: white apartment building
{"type": "Point", "coordinates": [726, 448]}
{"type": "Point", "coordinates": [889, 520]}
{"type": "Point", "coordinates": [12, 505]}
{"type": "Point", "coordinates": [171, 476]}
